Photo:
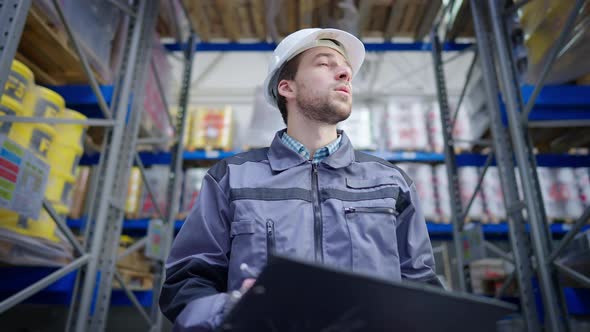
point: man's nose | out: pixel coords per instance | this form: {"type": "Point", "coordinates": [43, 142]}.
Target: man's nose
{"type": "Point", "coordinates": [344, 74]}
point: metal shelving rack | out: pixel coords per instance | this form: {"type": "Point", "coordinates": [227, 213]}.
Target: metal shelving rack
{"type": "Point", "coordinates": [534, 255]}
{"type": "Point", "coordinates": [96, 258]}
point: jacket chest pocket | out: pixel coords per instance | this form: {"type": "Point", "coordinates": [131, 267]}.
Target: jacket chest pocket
{"type": "Point", "coordinates": [373, 240]}
{"type": "Point", "coordinates": [248, 245]}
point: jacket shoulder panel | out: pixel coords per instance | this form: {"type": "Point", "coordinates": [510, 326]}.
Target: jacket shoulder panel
{"type": "Point", "coordinates": [219, 170]}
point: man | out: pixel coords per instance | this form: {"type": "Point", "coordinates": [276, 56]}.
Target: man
{"type": "Point", "coordinates": [309, 195]}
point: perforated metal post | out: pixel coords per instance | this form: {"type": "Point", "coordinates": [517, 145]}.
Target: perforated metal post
{"type": "Point", "coordinates": [175, 180]}
{"type": "Point", "coordinates": [450, 158]}
{"type": "Point", "coordinates": [518, 238]}
{"type": "Point", "coordinates": [13, 15]}
{"type": "Point", "coordinates": [116, 160]}
{"type": "Point", "coordinates": [555, 315]}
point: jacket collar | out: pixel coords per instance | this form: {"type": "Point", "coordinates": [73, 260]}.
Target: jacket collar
{"type": "Point", "coordinates": [281, 157]}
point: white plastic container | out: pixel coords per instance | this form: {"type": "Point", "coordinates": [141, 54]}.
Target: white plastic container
{"type": "Point", "coordinates": [422, 175]}
{"type": "Point", "coordinates": [494, 195]}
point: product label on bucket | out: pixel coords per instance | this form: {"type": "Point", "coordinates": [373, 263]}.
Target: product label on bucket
{"type": "Point", "coordinates": [16, 86]}
{"type": "Point", "coordinates": [46, 109]}
{"type": "Point", "coordinates": [5, 126]}
{"type": "Point", "coordinates": [40, 142]}
{"type": "Point", "coordinates": [23, 179]}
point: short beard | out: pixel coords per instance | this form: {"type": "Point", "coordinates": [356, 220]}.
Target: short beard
{"type": "Point", "coordinates": [321, 109]}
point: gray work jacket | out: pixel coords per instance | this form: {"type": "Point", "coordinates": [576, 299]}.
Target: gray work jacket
{"type": "Point", "coordinates": [351, 211]}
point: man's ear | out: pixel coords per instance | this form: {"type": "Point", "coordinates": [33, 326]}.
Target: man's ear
{"type": "Point", "coordinates": [286, 88]}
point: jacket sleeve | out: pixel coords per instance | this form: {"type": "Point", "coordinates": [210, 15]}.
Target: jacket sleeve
{"type": "Point", "coordinates": [194, 292]}
{"type": "Point", "coordinates": [415, 249]}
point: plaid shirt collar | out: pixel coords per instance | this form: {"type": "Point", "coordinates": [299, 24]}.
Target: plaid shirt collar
{"type": "Point", "coordinates": [319, 155]}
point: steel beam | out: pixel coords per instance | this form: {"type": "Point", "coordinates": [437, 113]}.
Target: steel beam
{"type": "Point", "coordinates": [174, 182]}
{"type": "Point", "coordinates": [13, 15]}
{"type": "Point", "coordinates": [583, 220]}
{"type": "Point", "coordinates": [132, 298]}
{"type": "Point", "coordinates": [63, 227]}
{"type": "Point", "coordinates": [89, 122]}
{"type": "Point", "coordinates": [477, 188]}
{"type": "Point", "coordinates": [42, 284]}
{"type": "Point", "coordinates": [550, 289]}
{"type": "Point", "coordinates": [519, 240]}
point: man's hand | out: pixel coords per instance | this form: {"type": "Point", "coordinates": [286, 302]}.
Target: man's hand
{"type": "Point", "coordinates": [247, 284]}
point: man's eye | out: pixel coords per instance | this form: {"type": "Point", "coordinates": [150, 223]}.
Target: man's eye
{"type": "Point", "coordinates": [323, 64]}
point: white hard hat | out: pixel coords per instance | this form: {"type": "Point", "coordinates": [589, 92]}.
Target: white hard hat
{"type": "Point", "coordinates": [304, 39]}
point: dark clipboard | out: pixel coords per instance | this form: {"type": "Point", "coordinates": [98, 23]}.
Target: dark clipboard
{"type": "Point", "coordinates": [292, 295]}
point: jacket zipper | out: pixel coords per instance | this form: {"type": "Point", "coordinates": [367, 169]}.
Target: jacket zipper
{"type": "Point", "coordinates": [270, 237]}
{"type": "Point", "coordinates": [317, 214]}
{"type": "Point", "coordinates": [385, 210]}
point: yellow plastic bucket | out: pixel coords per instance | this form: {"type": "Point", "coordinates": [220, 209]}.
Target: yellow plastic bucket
{"type": "Point", "coordinates": [71, 134]}
{"type": "Point", "coordinates": [59, 187]}
{"type": "Point", "coordinates": [19, 83]}
{"type": "Point", "coordinates": [10, 107]}
{"type": "Point", "coordinates": [44, 227]}
{"type": "Point", "coordinates": [36, 137]}
{"type": "Point", "coordinates": [64, 158]}
{"type": "Point", "coordinates": [49, 103]}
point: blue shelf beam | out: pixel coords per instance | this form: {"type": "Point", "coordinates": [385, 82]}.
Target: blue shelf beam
{"type": "Point", "coordinates": [81, 98]}
{"type": "Point", "coordinates": [15, 278]}
{"type": "Point", "coordinates": [464, 159]}
{"type": "Point", "coordinates": [269, 47]}
{"type": "Point", "coordinates": [557, 103]}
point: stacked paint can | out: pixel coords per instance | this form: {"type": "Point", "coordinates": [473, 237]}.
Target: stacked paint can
{"type": "Point", "coordinates": [63, 156]}
{"type": "Point", "coordinates": [23, 98]}
{"type": "Point", "coordinates": [58, 145]}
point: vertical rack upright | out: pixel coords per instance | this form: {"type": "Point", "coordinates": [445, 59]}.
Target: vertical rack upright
{"type": "Point", "coordinates": [497, 64]}
{"type": "Point", "coordinates": [96, 259]}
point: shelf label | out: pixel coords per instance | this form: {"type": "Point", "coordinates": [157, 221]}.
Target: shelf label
{"type": "Point", "coordinates": [23, 179]}
{"type": "Point", "coordinates": [473, 243]}
{"type": "Point", "coordinates": [406, 155]}
{"type": "Point", "coordinates": [156, 240]}
{"type": "Point", "coordinates": [212, 154]}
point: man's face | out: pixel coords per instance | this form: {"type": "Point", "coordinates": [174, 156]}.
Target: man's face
{"type": "Point", "coordinates": [323, 85]}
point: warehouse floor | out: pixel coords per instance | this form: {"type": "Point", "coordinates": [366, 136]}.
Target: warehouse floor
{"type": "Point", "coordinates": [41, 318]}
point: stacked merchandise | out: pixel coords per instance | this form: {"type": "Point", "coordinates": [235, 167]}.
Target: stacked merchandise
{"type": "Point", "coordinates": [134, 189]}
{"type": "Point", "coordinates": [442, 191]}
{"type": "Point", "coordinates": [193, 179]}
{"type": "Point", "coordinates": [80, 192]}
{"type": "Point", "coordinates": [494, 196]}
{"type": "Point", "coordinates": [139, 203]}
{"type": "Point", "coordinates": [37, 240]}
{"type": "Point", "coordinates": [134, 267]}
{"type": "Point", "coordinates": [471, 124]}
{"type": "Point", "coordinates": [488, 276]}
{"type": "Point", "coordinates": [422, 175]}
{"type": "Point", "coordinates": [561, 196]}
{"type": "Point", "coordinates": [468, 177]}
{"type": "Point", "coordinates": [583, 178]}
{"type": "Point", "coordinates": [405, 126]}
{"type": "Point", "coordinates": [155, 120]}
{"type": "Point", "coordinates": [209, 128]}
{"type": "Point", "coordinates": [358, 127]}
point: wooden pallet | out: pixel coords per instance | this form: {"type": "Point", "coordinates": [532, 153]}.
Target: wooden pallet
{"type": "Point", "coordinates": [135, 280]}
{"type": "Point", "coordinates": [45, 49]}
{"type": "Point", "coordinates": [251, 19]}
